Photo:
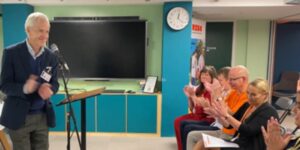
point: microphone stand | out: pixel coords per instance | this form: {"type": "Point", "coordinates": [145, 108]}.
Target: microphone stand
{"type": "Point", "coordinates": [70, 114]}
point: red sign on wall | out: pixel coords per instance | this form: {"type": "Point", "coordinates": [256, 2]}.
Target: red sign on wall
{"type": "Point", "coordinates": [197, 28]}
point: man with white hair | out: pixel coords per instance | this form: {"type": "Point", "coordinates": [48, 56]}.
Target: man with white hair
{"type": "Point", "coordinates": [29, 78]}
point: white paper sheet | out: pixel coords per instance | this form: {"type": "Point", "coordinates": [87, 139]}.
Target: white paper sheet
{"type": "Point", "coordinates": [213, 142]}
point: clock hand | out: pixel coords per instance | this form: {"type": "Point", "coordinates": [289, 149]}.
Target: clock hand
{"type": "Point", "coordinates": [180, 18]}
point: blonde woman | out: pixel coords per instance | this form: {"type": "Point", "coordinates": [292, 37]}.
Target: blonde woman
{"type": "Point", "coordinates": [249, 135]}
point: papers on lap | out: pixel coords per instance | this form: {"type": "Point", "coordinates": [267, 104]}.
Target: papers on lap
{"type": "Point", "coordinates": [213, 142]}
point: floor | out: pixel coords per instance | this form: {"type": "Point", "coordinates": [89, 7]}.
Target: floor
{"type": "Point", "coordinates": [99, 142]}
{"type": "Point", "coordinates": [58, 141]}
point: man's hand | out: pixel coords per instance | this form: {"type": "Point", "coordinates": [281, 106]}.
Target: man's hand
{"type": "Point", "coordinates": [45, 91]}
{"type": "Point", "coordinates": [31, 84]}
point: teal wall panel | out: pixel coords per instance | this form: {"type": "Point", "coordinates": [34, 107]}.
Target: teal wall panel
{"type": "Point", "coordinates": [141, 113]}
{"type": "Point", "coordinates": [175, 69]}
{"type": "Point", "coordinates": [14, 16]}
{"type": "Point", "coordinates": [90, 114]}
{"type": "Point", "coordinates": [111, 113]}
{"type": "Point", "coordinates": [77, 115]}
{"type": "Point", "coordinates": [59, 113]}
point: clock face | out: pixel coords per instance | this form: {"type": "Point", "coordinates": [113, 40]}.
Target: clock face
{"type": "Point", "coordinates": [178, 18]}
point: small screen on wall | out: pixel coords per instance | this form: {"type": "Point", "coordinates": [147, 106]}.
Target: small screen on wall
{"type": "Point", "coordinates": [102, 49]}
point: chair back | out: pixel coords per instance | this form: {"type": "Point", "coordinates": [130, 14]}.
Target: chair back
{"type": "Point", "coordinates": [288, 82]}
{"type": "Point", "coordinates": [285, 103]}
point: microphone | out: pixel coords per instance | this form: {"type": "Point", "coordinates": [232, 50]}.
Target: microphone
{"type": "Point", "coordinates": [55, 50]}
{"type": "Point", "coordinates": [2, 97]}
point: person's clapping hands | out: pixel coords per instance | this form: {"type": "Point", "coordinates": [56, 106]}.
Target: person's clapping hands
{"type": "Point", "coordinates": [45, 91]}
{"type": "Point", "coordinates": [188, 91]}
{"type": "Point", "coordinates": [216, 94]}
{"type": "Point", "coordinates": [201, 101]}
{"type": "Point", "coordinates": [221, 108]}
{"type": "Point", "coordinates": [272, 136]}
{"type": "Point", "coordinates": [211, 87]}
{"type": "Point", "coordinates": [211, 111]}
{"type": "Point", "coordinates": [208, 86]}
{"type": "Point", "coordinates": [31, 85]}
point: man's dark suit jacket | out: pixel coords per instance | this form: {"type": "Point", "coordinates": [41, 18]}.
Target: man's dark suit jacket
{"type": "Point", "coordinates": [16, 70]}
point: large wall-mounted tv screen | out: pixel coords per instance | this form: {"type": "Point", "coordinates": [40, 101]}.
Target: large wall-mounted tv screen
{"type": "Point", "coordinates": [102, 49]}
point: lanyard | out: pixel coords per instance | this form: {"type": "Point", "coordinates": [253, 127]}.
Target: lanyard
{"type": "Point", "coordinates": [245, 116]}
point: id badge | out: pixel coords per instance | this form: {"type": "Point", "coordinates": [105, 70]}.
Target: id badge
{"type": "Point", "coordinates": [46, 76]}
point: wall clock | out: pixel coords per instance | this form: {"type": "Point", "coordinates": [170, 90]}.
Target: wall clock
{"type": "Point", "coordinates": [178, 18]}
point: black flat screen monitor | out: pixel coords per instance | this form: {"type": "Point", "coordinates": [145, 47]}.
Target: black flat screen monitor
{"type": "Point", "coordinates": [102, 49]}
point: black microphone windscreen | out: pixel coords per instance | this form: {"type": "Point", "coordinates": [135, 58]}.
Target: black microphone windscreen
{"type": "Point", "coordinates": [55, 50]}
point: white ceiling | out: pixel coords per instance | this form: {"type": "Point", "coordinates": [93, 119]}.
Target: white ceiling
{"type": "Point", "coordinates": [203, 9]}
{"type": "Point", "coordinates": [245, 9]}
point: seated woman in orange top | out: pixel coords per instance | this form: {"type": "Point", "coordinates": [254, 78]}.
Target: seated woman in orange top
{"type": "Point", "coordinates": [207, 76]}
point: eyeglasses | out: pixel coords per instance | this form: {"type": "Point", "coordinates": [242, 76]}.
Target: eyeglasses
{"type": "Point", "coordinates": [233, 79]}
